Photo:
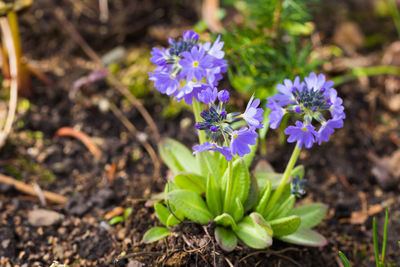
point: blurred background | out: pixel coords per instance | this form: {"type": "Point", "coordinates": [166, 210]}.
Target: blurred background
{"type": "Point", "coordinates": [80, 122]}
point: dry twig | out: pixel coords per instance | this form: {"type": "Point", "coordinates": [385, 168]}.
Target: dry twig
{"type": "Point", "coordinates": [30, 190]}
{"type": "Point", "coordinates": [81, 136]}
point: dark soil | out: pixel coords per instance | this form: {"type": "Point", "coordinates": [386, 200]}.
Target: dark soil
{"type": "Point", "coordinates": [339, 173]}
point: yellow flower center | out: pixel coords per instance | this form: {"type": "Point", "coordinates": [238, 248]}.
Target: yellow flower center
{"type": "Point", "coordinates": [235, 136]}
{"type": "Point", "coordinates": [304, 129]}
{"type": "Point", "coordinates": [195, 64]}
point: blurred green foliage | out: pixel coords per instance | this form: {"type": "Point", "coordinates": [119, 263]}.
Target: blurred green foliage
{"type": "Point", "coordinates": [269, 45]}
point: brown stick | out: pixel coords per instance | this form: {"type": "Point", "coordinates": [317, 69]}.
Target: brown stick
{"type": "Point", "coordinates": [113, 80]}
{"type": "Point", "coordinates": [30, 190]}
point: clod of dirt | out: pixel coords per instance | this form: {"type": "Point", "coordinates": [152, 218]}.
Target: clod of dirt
{"type": "Point", "coordinates": [7, 243]}
{"type": "Point", "coordinates": [6, 188]}
{"type": "Point", "coordinates": [78, 205]}
{"type": "Point", "coordinates": [103, 197]}
{"type": "Point", "coordinates": [42, 217]}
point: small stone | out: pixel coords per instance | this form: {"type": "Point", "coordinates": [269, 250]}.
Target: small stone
{"type": "Point", "coordinates": [62, 230]}
{"type": "Point", "coordinates": [42, 217]}
{"type": "Point", "coordinates": [135, 263]}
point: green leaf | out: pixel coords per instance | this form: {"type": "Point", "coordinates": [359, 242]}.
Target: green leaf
{"type": "Point", "coordinates": [263, 166]}
{"type": "Point", "coordinates": [237, 210]}
{"type": "Point", "coordinates": [252, 234]}
{"type": "Point", "coordinates": [252, 196]}
{"type": "Point", "coordinates": [225, 238]}
{"type": "Point", "coordinates": [259, 219]}
{"type": "Point", "coordinates": [306, 237]}
{"type": "Point", "coordinates": [175, 219]}
{"type": "Point", "coordinates": [264, 177]}
{"type": "Point", "coordinates": [162, 213]}
{"type": "Point", "coordinates": [191, 205]}
{"type": "Point", "coordinates": [285, 208]}
{"type": "Point", "coordinates": [213, 196]}
{"type": "Point", "coordinates": [208, 163]}
{"type": "Point", "coordinates": [127, 212]}
{"type": "Point", "coordinates": [225, 220]}
{"type": "Point", "coordinates": [285, 226]}
{"type": "Point", "coordinates": [116, 219]}
{"type": "Point", "coordinates": [177, 157]}
{"type": "Point", "coordinates": [344, 259]}
{"type": "Point", "coordinates": [262, 204]}
{"type": "Point", "coordinates": [156, 233]}
{"type": "Point", "coordinates": [241, 181]}
{"type": "Point", "coordinates": [191, 181]}
{"type": "Point", "coordinates": [248, 158]}
{"type": "Point", "coordinates": [310, 214]}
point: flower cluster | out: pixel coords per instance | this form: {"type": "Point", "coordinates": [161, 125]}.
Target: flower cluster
{"type": "Point", "coordinates": [187, 67]}
{"type": "Point", "coordinates": [217, 124]}
{"type": "Point", "coordinates": [312, 100]}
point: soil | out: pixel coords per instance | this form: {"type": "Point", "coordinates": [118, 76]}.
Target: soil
{"type": "Point", "coordinates": [339, 173]}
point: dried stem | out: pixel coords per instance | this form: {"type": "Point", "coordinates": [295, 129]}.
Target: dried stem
{"type": "Point", "coordinates": [9, 44]}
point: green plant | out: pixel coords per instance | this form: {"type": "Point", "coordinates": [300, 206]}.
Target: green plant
{"type": "Point", "coordinates": [379, 258]}
{"type": "Point", "coordinates": [214, 182]}
{"type": "Point", "coordinates": [119, 218]}
{"type": "Point", "coordinates": [268, 46]}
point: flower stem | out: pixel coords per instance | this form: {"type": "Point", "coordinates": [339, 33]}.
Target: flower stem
{"type": "Point", "coordinates": [278, 192]}
{"type": "Point", "coordinates": [196, 110]}
{"type": "Point", "coordinates": [227, 199]}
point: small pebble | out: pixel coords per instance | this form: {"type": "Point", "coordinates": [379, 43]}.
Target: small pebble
{"type": "Point", "coordinates": [42, 217]}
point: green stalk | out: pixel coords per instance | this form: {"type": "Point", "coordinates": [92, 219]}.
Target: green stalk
{"type": "Point", "coordinates": [227, 200]}
{"type": "Point", "coordinates": [384, 235]}
{"type": "Point", "coordinates": [196, 110]}
{"type": "Point", "coordinates": [278, 192]}
{"type": "Point", "coordinates": [376, 245]}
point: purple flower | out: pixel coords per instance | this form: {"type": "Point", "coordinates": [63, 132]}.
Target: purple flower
{"type": "Point", "coordinates": [159, 56]}
{"type": "Point", "coordinates": [285, 95]}
{"type": "Point", "coordinates": [302, 134]}
{"type": "Point", "coordinates": [225, 151]}
{"type": "Point", "coordinates": [241, 140]}
{"type": "Point", "coordinates": [223, 96]}
{"type": "Point", "coordinates": [253, 115]}
{"type": "Point", "coordinates": [336, 108]}
{"type": "Point", "coordinates": [165, 82]}
{"type": "Point", "coordinates": [190, 36]}
{"type": "Point", "coordinates": [188, 91]}
{"type": "Point", "coordinates": [214, 75]}
{"type": "Point", "coordinates": [276, 114]}
{"type": "Point", "coordinates": [328, 128]}
{"type": "Point", "coordinates": [195, 64]}
{"type": "Point", "coordinates": [315, 82]}
{"type": "Point", "coordinates": [208, 95]}
{"type": "Point", "coordinates": [216, 49]}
